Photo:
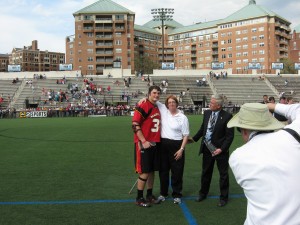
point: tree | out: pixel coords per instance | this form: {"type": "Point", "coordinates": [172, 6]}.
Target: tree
{"type": "Point", "coordinates": [288, 67]}
{"type": "Point", "coordinates": [145, 64]}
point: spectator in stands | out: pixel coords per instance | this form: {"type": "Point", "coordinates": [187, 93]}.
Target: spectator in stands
{"type": "Point", "coordinates": [281, 94]}
{"type": "Point", "coordinates": [265, 99]}
{"type": "Point", "coordinates": [108, 89]}
{"type": "Point", "coordinates": [276, 115]}
{"type": "Point", "coordinates": [204, 81]}
{"type": "Point", "coordinates": [282, 100]}
{"type": "Point", "coordinates": [286, 83]}
{"type": "Point", "coordinates": [271, 99]}
{"type": "Point", "coordinates": [290, 100]}
{"type": "Point", "coordinates": [198, 83]}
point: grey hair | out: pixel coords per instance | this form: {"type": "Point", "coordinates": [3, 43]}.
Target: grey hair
{"type": "Point", "coordinates": [219, 99]}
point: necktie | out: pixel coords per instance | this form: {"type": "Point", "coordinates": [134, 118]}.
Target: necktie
{"type": "Point", "coordinates": [212, 122]}
{"type": "Point", "coordinates": [211, 126]}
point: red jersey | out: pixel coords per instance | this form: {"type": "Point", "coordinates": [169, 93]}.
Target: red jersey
{"type": "Point", "coordinates": [148, 116]}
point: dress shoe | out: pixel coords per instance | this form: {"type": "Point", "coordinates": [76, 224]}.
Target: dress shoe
{"type": "Point", "coordinates": [200, 198]}
{"type": "Point", "coordinates": [222, 203]}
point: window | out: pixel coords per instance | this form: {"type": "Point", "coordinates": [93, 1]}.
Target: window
{"type": "Point", "coordinates": [262, 44]}
{"type": "Point", "coordinates": [254, 45]}
{"type": "Point", "coordinates": [238, 54]}
{"type": "Point", "coordinates": [223, 56]}
{"type": "Point", "coordinates": [238, 32]}
{"type": "Point", "coordinates": [118, 50]}
{"type": "Point", "coordinates": [90, 59]}
{"type": "Point", "coordinates": [253, 30]}
{"type": "Point", "coordinates": [118, 42]}
{"type": "Point", "coordinates": [238, 40]}
{"type": "Point", "coordinates": [90, 51]}
{"type": "Point", "coordinates": [245, 46]}
{"type": "Point", "coordinates": [90, 43]}
{"type": "Point", "coordinates": [261, 52]}
{"type": "Point", "coordinates": [261, 29]}
{"type": "Point", "coordinates": [261, 36]}
{"type": "Point", "coordinates": [90, 67]}
{"type": "Point", "coordinates": [254, 38]}
{"type": "Point", "coordinates": [245, 39]}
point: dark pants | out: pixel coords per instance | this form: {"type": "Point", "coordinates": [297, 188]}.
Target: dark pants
{"type": "Point", "coordinates": [207, 171]}
{"type": "Point", "coordinates": [168, 148]}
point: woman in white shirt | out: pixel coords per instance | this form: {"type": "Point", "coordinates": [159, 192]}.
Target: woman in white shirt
{"type": "Point", "coordinates": [174, 137]}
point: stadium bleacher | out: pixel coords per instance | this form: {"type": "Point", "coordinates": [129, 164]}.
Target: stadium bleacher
{"type": "Point", "coordinates": [238, 89]}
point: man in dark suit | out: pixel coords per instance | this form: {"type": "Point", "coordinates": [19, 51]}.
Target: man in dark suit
{"type": "Point", "coordinates": [215, 144]}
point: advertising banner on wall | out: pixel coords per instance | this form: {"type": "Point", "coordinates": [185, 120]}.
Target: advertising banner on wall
{"type": "Point", "coordinates": [277, 66]}
{"type": "Point", "coordinates": [33, 114]}
{"type": "Point", "coordinates": [65, 67]}
{"type": "Point", "coordinates": [217, 65]}
{"type": "Point", "coordinates": [14, 68]}
{"type": "Point", "coordinates": [168, 66]}
{"type": "Point", "coordinates": [254, 66]}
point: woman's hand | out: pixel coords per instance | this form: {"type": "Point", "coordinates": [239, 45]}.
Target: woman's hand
{"type": "Point", "coordinates": [178, 154]}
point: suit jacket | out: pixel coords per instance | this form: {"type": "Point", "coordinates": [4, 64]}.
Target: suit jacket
{"type": "Point", "coordinates": [222, 136]}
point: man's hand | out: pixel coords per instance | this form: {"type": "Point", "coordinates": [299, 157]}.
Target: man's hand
{"type": "Point", "coordinates": [217, 152]}
{"type": "Point", "coordinates": [190, 140]}
{"type": "Point", "coordinates": [142, 101]}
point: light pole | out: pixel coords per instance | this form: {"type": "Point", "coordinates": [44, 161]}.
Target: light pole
{"type": "Point", "coordinates": [162, 14]}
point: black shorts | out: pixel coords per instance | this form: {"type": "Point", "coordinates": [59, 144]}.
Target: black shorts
{"type": "Point", "coordinates": [146, 160]}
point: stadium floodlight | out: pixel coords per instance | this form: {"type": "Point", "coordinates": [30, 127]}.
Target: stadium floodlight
{"type": "Point", "coordinates": [162, 14]}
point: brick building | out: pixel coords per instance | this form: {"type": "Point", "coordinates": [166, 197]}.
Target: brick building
{"type": "Point", "coordinates": [105, 32]}
{"type": "Point", "coordinates": [295, 45]}
{"type": "Point", "coordinates": [32, 59]}
{"type": "Point", "coordinates": [3, 62]}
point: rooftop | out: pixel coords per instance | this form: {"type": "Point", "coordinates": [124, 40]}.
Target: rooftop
{"type": "Point", "coordinates": [103, 6]}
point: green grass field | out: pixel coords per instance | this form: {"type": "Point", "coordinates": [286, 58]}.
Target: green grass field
{"type": "Point", "coordinates": [78, 171]}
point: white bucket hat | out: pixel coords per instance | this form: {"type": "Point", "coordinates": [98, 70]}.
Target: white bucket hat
{"type": "Point", "coordinates": [255, 116]}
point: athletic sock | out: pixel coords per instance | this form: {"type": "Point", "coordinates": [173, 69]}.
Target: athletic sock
{"type": "Point", "coordinates": [149, 192]}
{"type": "Point", "coordinates": [140, 194]}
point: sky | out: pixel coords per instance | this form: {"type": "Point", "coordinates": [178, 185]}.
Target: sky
{"type": "Point", "coordinates": [51, 21]}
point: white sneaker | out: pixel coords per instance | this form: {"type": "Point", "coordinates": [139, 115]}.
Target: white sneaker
{"type": "Point", "coordinates": [161, 198]}
{"type": "Point", "coordinates": [177, 200]}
